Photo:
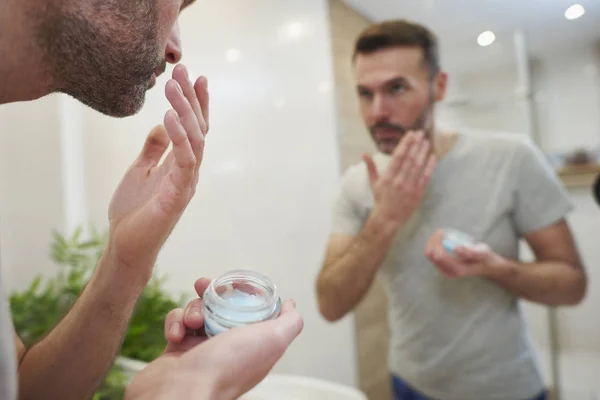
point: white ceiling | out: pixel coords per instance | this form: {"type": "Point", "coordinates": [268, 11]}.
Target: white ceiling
{"type": "Point", "coordinates": [458, 23]}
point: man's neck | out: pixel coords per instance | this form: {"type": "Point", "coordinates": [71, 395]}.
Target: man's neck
{"type": "Point", "coordinates": [443, 142]}
{"type": "Point", "coordinates": [24, 74]}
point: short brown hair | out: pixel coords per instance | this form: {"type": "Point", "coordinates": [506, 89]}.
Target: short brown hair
{"type": "Point", "coordinates": [400, 33]}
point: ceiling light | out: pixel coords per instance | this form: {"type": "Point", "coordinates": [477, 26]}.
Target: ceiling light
{"type": "Point", "coordinates": [294, 30]}
{"type": "Point", "coordinates": [486, 38]}
{"type": "Point", "coordinates": [233, 55]}
{"type": "Point", "coordinates": [575, 11]}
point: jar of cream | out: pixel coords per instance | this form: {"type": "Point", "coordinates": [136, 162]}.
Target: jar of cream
{"type": "Point", "coordinates": [239, 298]}
{"type": "Point", "coordinates": [453, 238]}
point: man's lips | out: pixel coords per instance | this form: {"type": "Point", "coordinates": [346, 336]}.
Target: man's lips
{"type": "Point", "coordinates": [152, 81]}
{"type": "Point", "coordinates": [157, 72]}
{"type": "Point", "coordinates": [387, 134]}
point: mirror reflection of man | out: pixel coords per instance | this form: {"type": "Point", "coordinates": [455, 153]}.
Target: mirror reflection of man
{"type": "Point", "coordinates": [457, 330]}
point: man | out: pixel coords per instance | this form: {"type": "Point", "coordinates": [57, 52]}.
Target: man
{"type": "Point", "coordinates": [107, 53]}
{"type": "Point", "coordinates": [457, 332]}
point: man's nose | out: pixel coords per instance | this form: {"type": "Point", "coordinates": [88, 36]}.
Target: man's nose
{"type": "Point", "coordinates": [379, 108]}
{"type": "Point", "coordinates": [173, 50]}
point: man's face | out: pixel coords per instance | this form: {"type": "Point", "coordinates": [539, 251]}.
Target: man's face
{"type": "Point", "coordinates": [107, 53]}
{"type": "Point", "coordinates": [396, 93]}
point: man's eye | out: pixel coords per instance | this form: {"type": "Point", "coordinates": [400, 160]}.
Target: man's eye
{"type": "Point", "coordinates": [397, 88]}
{"type": "Point", "coordinates": [365, 94]}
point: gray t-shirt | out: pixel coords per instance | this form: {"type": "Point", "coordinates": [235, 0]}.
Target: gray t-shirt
{"type": "Point", "coordinates": [8, 368]}
{"type": "Point", "coordinates": [462, 339]}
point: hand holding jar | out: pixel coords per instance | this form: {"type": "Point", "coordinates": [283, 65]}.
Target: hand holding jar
{"type": "Point", "coordinates": [235, 360]}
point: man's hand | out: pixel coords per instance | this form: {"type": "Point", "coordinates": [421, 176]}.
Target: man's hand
{"type": "Point", "coordinates": [223, 367]}
{"type": "Point", "coordinates": [400, 189]}
{"type": "Point", "coordinates": [478, 260]}
{"type": "Point", "coordinates": [152, 195]}
{"type": "Point", "coordinates": [184, 328]}
{"type": "Point", "coordinates": [146, 206]}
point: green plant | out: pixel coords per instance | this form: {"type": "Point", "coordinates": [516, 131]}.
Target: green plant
{"type": "Point", "coordinates": [37, 309]}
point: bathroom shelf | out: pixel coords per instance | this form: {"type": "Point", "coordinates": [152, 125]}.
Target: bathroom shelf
{"type": "Point", "coordinates": [579, 175]}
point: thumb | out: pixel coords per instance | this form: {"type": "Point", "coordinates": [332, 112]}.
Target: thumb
{"type": "Point", "coordinates": [155, 146]}
{"type": "Point", "coordinates": [371, 169]}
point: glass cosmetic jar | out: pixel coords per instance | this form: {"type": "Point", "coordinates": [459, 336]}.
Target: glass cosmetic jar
{"type": "Point", "coordinates": [239, 298]}
{"type": "Point", "coordinates": [454, 238]}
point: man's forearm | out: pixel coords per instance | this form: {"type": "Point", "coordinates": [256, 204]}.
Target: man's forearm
{"type": "Point", "coordinates": [550, 283]}
{"type": "Point", "coordinates": [346, 277]}
{"type": "Point", "coordinates": [71, 361]}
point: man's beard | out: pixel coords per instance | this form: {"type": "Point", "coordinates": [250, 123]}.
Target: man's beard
{"type": "Point", "coordinates": [107, 68]}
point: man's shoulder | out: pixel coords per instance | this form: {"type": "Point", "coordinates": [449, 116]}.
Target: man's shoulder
{"type": "Point", "coordinates": [354, 181]}
{"type": "Point", "coordinates": [355, 174]}
{"type": "Point", "coordinates": [497, 140]}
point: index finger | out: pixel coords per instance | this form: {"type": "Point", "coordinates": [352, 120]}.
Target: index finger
{"type": "Point", "coordinates": [201, 88]}
{"type": "Point", "coordinates": [181, 75]}
{"type": "Point", "coordinates": [400, 153]}
{"type": "Point", "coordinates": [201, 285]}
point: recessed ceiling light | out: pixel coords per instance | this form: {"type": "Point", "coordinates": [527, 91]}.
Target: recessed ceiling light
{"type": "Point", "coordinates": [575, 11]}
{"type": "Point", "coordinates": [486, 38]}
{"type": "Point", "coordinates": [295, 29]}
{"type": "Point", "coordinates": [233, 55]}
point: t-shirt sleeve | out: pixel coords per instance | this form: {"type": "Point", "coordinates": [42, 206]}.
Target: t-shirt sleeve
{"type": "Point", "coordinates": [346, 212]}
{"type": "Point", "coordinates": [541, 198]}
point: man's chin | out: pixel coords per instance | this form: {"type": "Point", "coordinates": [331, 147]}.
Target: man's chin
{"type": "Point", "coordinates": [120, 106]}
{"type": "Point", "coordinates": [387, 147]}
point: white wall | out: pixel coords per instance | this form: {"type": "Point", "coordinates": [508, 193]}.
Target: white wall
{"type": "Point", "coordinates": [270, 167]}
{"type": "Point", "coordinates": [568, 99]}
{"type": "Point", "coordinates": [31, 192]}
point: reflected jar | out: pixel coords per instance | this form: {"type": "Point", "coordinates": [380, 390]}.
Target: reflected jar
{"type": "Point", "coordinates": [453, 238]}
{"type": "Point", "coordinates": [238, 298]}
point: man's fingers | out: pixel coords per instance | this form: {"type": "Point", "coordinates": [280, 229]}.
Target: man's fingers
{"type": "Point", "coordinates": [201, 285]}
{"type": "Point", "coordinates": [371, 169]}
{"type": "Point", "coordinates": [289, 324]}
{"type": "Point", "coordinates": [412, 167]}
{"type": "Point", "coordinates": [434, 242]}
{"type": "Point", "coordinates": [420, 161]}
{"type": "Point", "coordinates": [185, 160]}
{"type": "Point", "coordinates": [187, 343]}
{"type": "Point", "coordinates": [181, 75]}
{"type": "Point", "coordinates": [400, 154]}
{"type": "Point", "coordinates": [452, 266]}
{"type": "Point", "coordinates": [478, 253]}
{"type": "Point", "coordinates": [155, 146]}
{"type": "Point", "coordinates": [241, 357]}
{"type": "Point", "coordinates": [427, 171]}
{"type": "Point", "coordinates": [406, 171]}
{"type": "Point", "coordinates": [201, 88]}
{"type": "Point", "coordinates": [445, 263]}
{"type": "Point", "coordinates": [174, 328]}
{"type": "Point", "coordinates": [262, 342]}
{"type": "Point", "coordinates": [187, 116]}
{"type": "Point", "coordinates": [194, 316]}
